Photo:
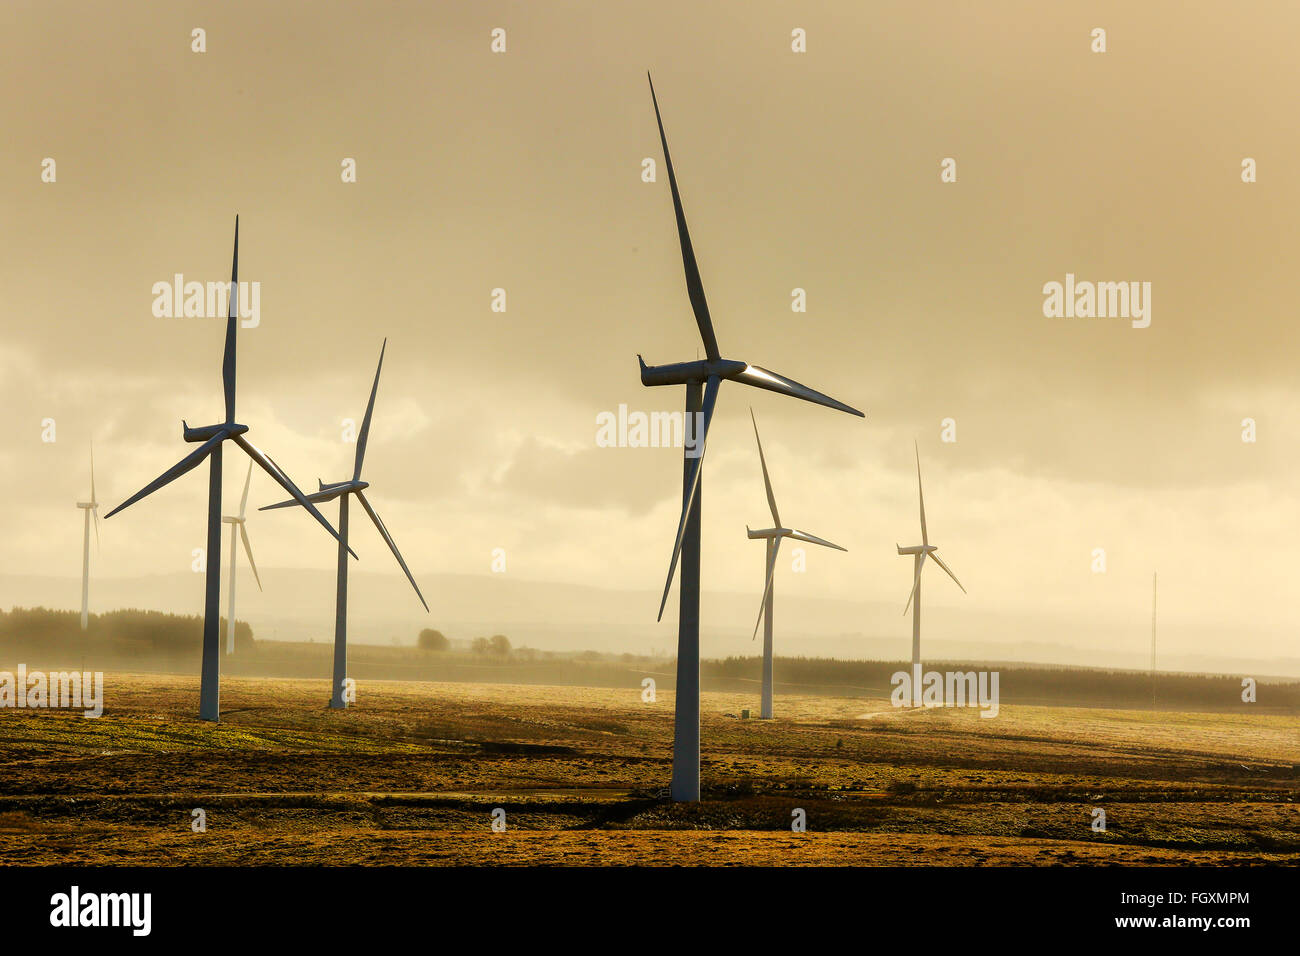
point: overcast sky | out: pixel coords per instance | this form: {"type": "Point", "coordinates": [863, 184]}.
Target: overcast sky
{"type": "Point", "coordinates": [821, 171]}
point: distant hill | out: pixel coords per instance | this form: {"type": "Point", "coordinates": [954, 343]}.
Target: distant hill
{"type": "Point", "coordinates": [298, 605]}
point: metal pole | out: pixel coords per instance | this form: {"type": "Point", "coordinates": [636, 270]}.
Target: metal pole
{"type": "Point", "coordinates": [916, 635]}
{"type": "Point", "coordinates": [210, 682]}
{"type": "Point", "coordinates": [766, 711]}
{"type": "Point", "coordinates": [341, 611]}
{"type": "Point", "coordinates": [85, 573]}
{"type": "Point", "coordinates": [686, 720]}
{"type": "Point", "coordinates": [1153, 640]}
{"type": "Point", "coordinates": [230, 613]}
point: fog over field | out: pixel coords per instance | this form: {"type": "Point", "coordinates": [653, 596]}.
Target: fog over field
{"type": "Point", "coordinates": [297, 605]}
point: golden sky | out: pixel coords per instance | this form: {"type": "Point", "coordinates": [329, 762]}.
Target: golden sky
{"type": "Point", "coordinates": [819, 170]}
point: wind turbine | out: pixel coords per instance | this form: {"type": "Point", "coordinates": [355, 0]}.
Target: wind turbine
{"type": "Point", "coordinates": [702, 379]}
{"type": "Point", "coordinates": [773, 537]}
{"type": "Point", "coordinates": [89, 507]}
{"type": "Point", "coordinates": [212, 438]}
{"type": "Point", "coordinates": [341, 490]}
{"type": "Point", "coordinates": [237, 521]}
{"type": "Point", "coordinates": [920, 552]}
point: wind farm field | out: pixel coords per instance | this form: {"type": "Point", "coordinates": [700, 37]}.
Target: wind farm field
{"type": "Point", "coordinates": [414, 773]}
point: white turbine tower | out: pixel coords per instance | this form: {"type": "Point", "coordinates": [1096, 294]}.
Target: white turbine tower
{"type": "Point", "coordinates": [89, 507]}
{"type": "Point", "coordinates": [920, 552]}
{"type": "Point", "coordinates": [773, 537]}
{"type": "Point", "coordinates": [237, 521]}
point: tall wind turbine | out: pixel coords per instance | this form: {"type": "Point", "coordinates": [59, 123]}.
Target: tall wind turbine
{"type": "Point", "coordinates": [212, 438]}
{"type": "Point", "coordinates": [920, 552]}
{"type": "Point", "coordinates": [702, 379]}
{"type": "Point", "coordinates": [89, 507]}
{"type": "Point", "coordinates": [773, 537]}
{"type": "Point", "coordinates": [237, 521]}
{"type": "Point", "coordinates": [341, 490]}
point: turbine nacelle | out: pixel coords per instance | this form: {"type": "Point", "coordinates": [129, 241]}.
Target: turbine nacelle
{"type": "Point", "coordinates": [328, 492]}
{"type": "Point", "coordinates": [682, 373]}
{"type": "Point", "coordinates": [917, 549]}
{"type": "Point", "coordinates": [207, 432]}
{"type": "Point", "coordinates": [755, 534]}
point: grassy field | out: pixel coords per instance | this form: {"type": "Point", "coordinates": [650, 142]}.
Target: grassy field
{"type": "Point", "coordinates": [413, 773]}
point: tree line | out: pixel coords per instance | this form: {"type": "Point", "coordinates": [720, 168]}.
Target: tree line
{"type": "Point", "coordinates": [123, 633]}
{"type": "Point", "coordinates": [497, 644]}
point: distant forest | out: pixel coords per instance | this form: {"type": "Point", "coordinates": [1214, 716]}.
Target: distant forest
{"type": "Point", "coordinates": [111, 637]}
{"type": "Point", "coordinates": [1029, 683]}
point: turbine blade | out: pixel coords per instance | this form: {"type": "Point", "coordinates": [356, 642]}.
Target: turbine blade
{"type": "Point", "coordinates": [813, 539]}
{"type": "Point", "coordinates": [248, 550]}
{"type": "Point", "coordinates": [228, 361]}
{"type": "Point", "coordinates": [243, 502]}
{"type": "Point", "coordinates": [916, 584]}
{"type": "Point", "coordinates": [272, 469]}
{"type": "Point", "coordinates": [291, 503]}
{"type": "Point", "coordinates": [392, 545]}
{"type": "Point", "coordinates": [365, 424]}
{"type": "Point", "coordinates": [692, 483]}
{"type": "Point", "coordinates": [763, 378]}
{"type": "Point", "coordinates": [939, 561]}
{"type": "Point", "coordinates": [316, 498]}
{"type": "Point", "coordinates": [767, 588]}
{"type": "Point", "coordinates": [694, 287]}
{"type": "Point", "coordinates": [925, 538]}
{"type": "Point", "coordinates": [187, 463]}
{"type": "Point", "coordinates": [767, 482]}
{"type": "Point", "coordinates": [94, 513]}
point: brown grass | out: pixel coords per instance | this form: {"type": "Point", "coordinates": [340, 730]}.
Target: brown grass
{"type": "Point", "coordinates": [412, 774]}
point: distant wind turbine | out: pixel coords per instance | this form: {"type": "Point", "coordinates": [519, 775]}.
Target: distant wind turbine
{"type": "Point", "coordinates": [702, 379]}
{"type": "Point", "coordinates": [212, 438]}
{"type": "Point", "coordinates": [1153, 640]}
{"type": "Point", "coordinates": [773, 537]}
{"type": "Point", "coordinates": [920, 552]}
{"type": "Point", "coordinates": [341, 490]}
{"type": "Point", "coordinates": [237, 522]}
{"type": "Point", "coordinates": [89, 507]}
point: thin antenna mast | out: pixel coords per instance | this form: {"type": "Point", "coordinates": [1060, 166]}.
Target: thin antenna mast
{"type": "Point", "coordinates": [1153, 640]}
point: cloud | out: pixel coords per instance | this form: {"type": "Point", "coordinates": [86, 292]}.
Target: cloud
{"type": "Point", "coordinates": [629, 480]}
